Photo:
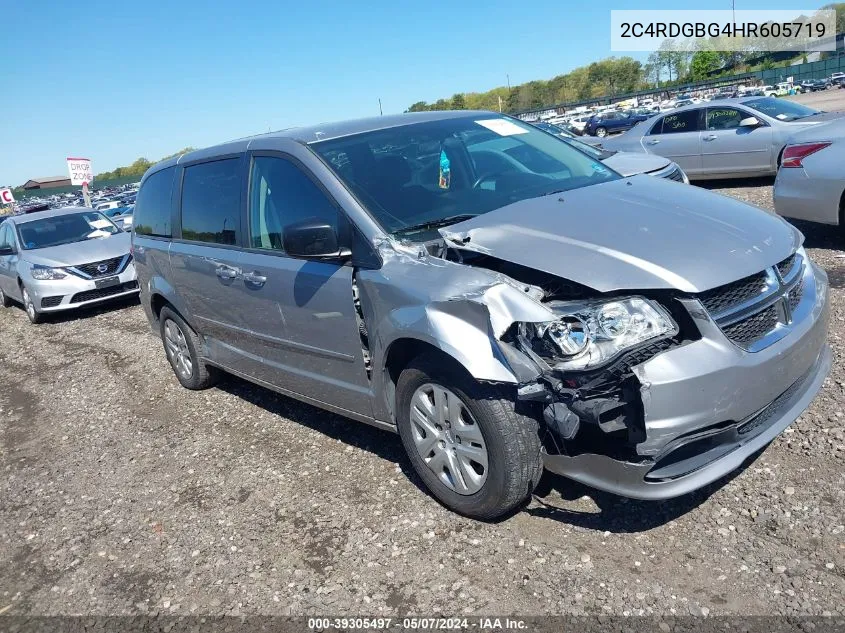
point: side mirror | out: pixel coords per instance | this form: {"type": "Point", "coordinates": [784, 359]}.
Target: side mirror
{"type": "Point", "coordinates": [7, 250]}
{"type": "Point", "coordinates": [751, 121]}
{"type": "Point", "coordinates": [312, 239]}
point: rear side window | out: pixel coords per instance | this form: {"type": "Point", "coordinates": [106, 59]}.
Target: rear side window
{"type": "Point", "coordinates": [152, 207]}
{"type": "Point", "coordinates": [674, 123]}
{"type": "Point", "coordinates": [282, 194]}
{"type": "Point", "coordinates": [211, 202]}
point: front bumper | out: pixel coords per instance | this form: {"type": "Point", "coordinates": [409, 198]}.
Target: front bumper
{"type": "Point", "coordinates": [709, 405]}
{"type": "Point", "coordinates": [74, 292]}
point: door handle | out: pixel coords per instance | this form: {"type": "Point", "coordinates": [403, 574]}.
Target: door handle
{"type": "Point", "coordinates": [710, 137]}
{"type": "Point", "coordinates": [653, 141]}
{"type": "Point", "coordinates": [226, 272]}
{"type": "Point", "coordinates": [254, 278]}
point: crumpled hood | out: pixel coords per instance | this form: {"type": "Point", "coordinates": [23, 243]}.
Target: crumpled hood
{"type": "Point", "coordinates": [92, 250]}
{"type": "Point", "coordinates": [631, 163]}
{"type": "Point", "coordinates": [633, 234]}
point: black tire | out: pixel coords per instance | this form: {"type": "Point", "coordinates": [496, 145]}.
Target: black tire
{"type": "Point", "coordinates": [512, 441]}
{"type": "Point", "coordinates": [601, 132]}
{"type": "Point", "coordinates": [201, 376]}
{"type": "Point", "coordinates": [5, 302]}
{"type": "Point", "coordinates": [32, 313]}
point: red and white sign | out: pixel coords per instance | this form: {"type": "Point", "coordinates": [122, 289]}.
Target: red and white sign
{"type": "Point", "coordinates": [80, 171]}
{"type": "Point", "coordinates": [6, 196]}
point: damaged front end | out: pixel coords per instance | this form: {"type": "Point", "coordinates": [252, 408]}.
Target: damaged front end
{"type": "Point", "coordinates": [642, 394]}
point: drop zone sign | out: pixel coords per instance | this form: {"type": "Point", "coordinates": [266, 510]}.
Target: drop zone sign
{"type": "Point", "coordinates": [80, 171]}
{"type": "Point", "coordinates": [6, 196]}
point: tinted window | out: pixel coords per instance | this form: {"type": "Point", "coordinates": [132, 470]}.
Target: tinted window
{"type": "Point", "coordinates": [686, 121]}
{"type": "Point", "coordinates": [4, 236]}
{"type": "Point", "coordinates": [66, 228]}
{"type": "Point", "coordinates": [152, 207]}
{"type": "Point", "coordinates": [409, 176]}
{"type": "Point", "coordinates": [280, 195]}
{"type": "Point", "coordinates": [210, 202]}
{"type": "Point", "coordinates": [724, 118]}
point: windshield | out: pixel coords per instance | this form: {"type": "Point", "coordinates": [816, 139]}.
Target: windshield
{"type": "Point", "coordinates": [781, 109]}
{"type": "Point", "coordinates": [420, 173]}
{"type": "Point", "coordinates": [65, 229]}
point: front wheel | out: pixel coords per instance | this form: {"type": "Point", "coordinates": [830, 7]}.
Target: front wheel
{"type": "Point", "coordinates": [29, 307]}
{"type": "Point", "coordinates": [466, 441]}
{"type": "Point", "coordinates": [181, 344]}
{"type": "Point", "coordinates": [601, 132]}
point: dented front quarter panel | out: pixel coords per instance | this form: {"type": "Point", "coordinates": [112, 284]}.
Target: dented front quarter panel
{"type": "Point", "coordinates": [455, 308]}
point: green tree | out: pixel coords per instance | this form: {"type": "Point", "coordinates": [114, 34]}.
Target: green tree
{"type": "Point", "coordinates": [419, 106]}
{"type": "Point", "coordinates": [458, 101]}
{"type": "Point", "coordinates": [702, 64]}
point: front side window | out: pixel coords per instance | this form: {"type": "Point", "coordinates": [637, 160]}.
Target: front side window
{"type": "Point", "coordinates": [152, 206]}
{"type": "Point", "coordinates": [675, 123]}
{"type": "Point", "coordinates": [211, 202]}
{"type": "Point", "coordinates": [724, 118]}
{"type": "Point", "coordinates": [281, 194]}
{"type": "Point", "coordinates": [411, 177]}
{"type": "Point", "coordinates": [65, 229]}
{"type": "Point", "coordinates": [4, 236]}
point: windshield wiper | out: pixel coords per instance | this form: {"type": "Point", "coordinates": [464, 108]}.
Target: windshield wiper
{"type": "Point", "coordinates": [437, 223]}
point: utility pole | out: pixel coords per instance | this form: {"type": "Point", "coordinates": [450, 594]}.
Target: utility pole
{"type": "Point", "coordinates": [509, 82]}
{"type": "Point", "coordinates": [500, 103]}
{"type": "Point", "coordinates": [379, 107]}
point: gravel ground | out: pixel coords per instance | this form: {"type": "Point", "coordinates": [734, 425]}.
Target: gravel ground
{"type": "Point", "coordinates": [124, 493]}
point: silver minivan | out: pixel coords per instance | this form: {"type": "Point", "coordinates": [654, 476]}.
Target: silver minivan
{"type": "Point", "coordinates": [503, 307]}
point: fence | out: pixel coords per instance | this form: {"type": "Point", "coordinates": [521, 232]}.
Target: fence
{"type": "Point", "coordinates": [798, 72]}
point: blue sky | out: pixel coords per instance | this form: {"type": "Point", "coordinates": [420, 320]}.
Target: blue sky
{"type": "Point", "coordinates": [117, 80]}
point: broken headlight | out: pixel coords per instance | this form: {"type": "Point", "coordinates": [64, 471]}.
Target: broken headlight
{"type": "Point", "coordinates": [590, 334]}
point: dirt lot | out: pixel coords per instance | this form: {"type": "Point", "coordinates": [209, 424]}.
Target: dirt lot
{"type": "Point", "coordinates": [124, 493]}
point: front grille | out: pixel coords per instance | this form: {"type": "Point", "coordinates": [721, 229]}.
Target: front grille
{"type": "Point", "coordinates": [675, 175]}
{"type": "Point", "coordinates": [733, 294]}
{"type": "Point", "coordinates": [795, 295]}
{"type": "Point", "coordinates": [750, 309]}
{"type": "Point", "coordinates": [102, 293]}
{"type": "Point", "coordinates": [753, 328]}
{"type": "Point", "coordinates": [51, 302]}
{"type": "Point", "coordinates": [112, 266]}
{"type": "Point", "coordinates": [785, 267]}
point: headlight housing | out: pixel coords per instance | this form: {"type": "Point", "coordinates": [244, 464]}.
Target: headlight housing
{"type": "Point", "coordinates": [45, 273]}
{"type": "Point", "coordinates": [589, 334]}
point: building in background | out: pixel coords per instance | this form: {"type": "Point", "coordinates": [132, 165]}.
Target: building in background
{"type": "Point", "coordinates": [51, 182]}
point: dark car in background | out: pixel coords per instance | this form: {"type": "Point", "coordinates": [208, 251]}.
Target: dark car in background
{"type": "Point", "coordinates": [608, 122]}
{"type": "Point", "coordinates": [813, 85]}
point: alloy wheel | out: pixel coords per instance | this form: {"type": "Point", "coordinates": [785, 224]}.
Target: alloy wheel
{"type": "Point", "coordinates": [28, 305]}
{"type": "Point", "coordinates": [448, 439]}
{"type": "Point", "coordinates": [177, 349]}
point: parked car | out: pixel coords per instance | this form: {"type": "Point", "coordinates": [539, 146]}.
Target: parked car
{"type": "Point", "coordinates": [63, 259]}
{"type": "Point", "coordinates": [814, 85]}
{"type": "Point", "coordinates": [121, 216]}
{"type": "Point", "coordinates": [578, 123]}
{"type": "Point", "coordinates": [731, 138]}
{"type": "Point", "coordinates": [105, 206]}
{"type": "Point", "coordinates": [809, 184]}
{"type": "Point", "coordinates": [623, 163]}
{"type": "Point", "coordinates": [836, 77]}
{"type": "Point", "coordinates": [608, 122]}
{"type": "Point", "coordinates": [502, 309]}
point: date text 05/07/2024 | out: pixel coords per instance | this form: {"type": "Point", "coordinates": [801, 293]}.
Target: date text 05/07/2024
{"type": "Point", "coordinates": [417, 624]}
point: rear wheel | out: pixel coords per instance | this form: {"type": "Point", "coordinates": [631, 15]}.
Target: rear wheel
{"type": "Point", "coordinates": [466, 441]}
{"type": "Point", "coordinates": [181, 344]}
{"type": "Point", "coordinates": [601, 132]}
{"type": "Point", "coordinates": [5, 302]}
{"type": "Point", "coordinates": [29, 307]}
